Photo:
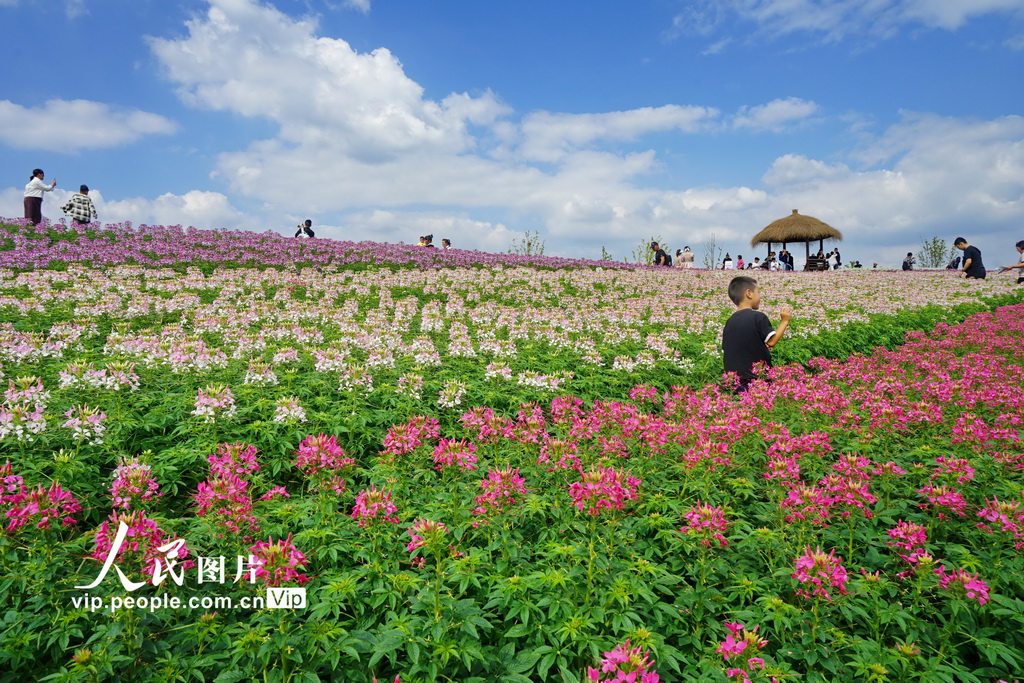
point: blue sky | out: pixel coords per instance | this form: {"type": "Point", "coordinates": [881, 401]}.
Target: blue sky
{"type": "Point", "coordinates": [596, 124]}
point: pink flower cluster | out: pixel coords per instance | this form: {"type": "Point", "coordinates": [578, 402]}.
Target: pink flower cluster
{"type": "Point", "coordinates": [911, 538]}
{"type": "Point", "coordinates": [624, 664]}
{"type": "Point", "coordinates": [961, 582]}
{"type": "Point", "coordinates": [457, 453]}
{"type": "Point", "coordinates": [821, 572]}
{"type": "Point", "coordinates": [323, 461]}
{"type": "Point", "coordinates": [214, 401]}
{"type": "Point", "coordinates": [741, 651]}
{"type": "Point", "coordinates": [1007, 515]}
{"type": "Point", "coordinates": [707, 523]}
{"type": "Point", "coordinates": [35, 508]}
{"type": "Point", "coordinates": [233, 459]}
{"type": "Point", "coordinates": [425, 533]}
{"type": "Point", "coordinates": [604, 488]}
{"type": "Point", "coordinates": [374, 505]}
{"type": "Point", "coordinates": [86, 423]}
{"type": "Point", "coordinates": [502, 489]}
{"type": "Point", "coordinates": [23, 421]}
{"type": "Point", "coordinates": [278, 562]}
{"type": "Point", "coordinates": [405, 438]}
{"type": "Point", "coordinates": [134, 486]}
{"type": "Point", "coordinates": [144, 546]}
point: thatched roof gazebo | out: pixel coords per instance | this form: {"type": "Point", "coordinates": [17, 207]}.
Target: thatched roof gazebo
{"type": "Point", "coordinates": [797, 228]}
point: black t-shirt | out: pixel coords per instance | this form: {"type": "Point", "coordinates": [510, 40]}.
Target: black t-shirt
{"type": "Point", "coordinates": [977, 268]}
{"type": "Point", "coordinates": [660, 258]}
{"type": "Point", "coordinates": [743, 342]}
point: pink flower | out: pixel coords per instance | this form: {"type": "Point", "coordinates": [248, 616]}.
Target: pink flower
{"type": "Point", "coordinates": [455, 453]}
{"type": "Point", "coordinates": [37, 508]}
{"type": "Point", "coordinates": [372, 504]}
{"type": "Point", "coordinates": [820, 571]}
{"type": "Point", "coordinates": [233, 459]}
{"type": "Point", "coordinates": [960, 581]}
{"type": "Point", "coordinates": [707, 523]}
{"type": "Point", "coordinates": [133, 485]}
{"type": "Point", "coordinates": [140, 550]}
{"type": "Point", "coordinates": [502, 489]}
{"type": "Point", "coordinates": [426, 532]}
{"type": "Point", "coordinates": [911, 537]}
{"type": "Point", "coordinates": [406, 438]}
{"type": "Point", "coordinates": [603, 489]}
{"type": "Point", "coordinates": [278, 562]}
{"type": "Point", "coordinates": [626, 664]}
{"type": "Point", "coordinates": [323, 461]}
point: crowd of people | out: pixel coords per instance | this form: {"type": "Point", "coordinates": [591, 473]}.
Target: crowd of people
{"type": "Point", "coordinates": [82, 211]}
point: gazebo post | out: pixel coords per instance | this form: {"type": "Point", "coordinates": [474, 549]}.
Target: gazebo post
{"type": "Point", "coordinates": [807, 255]}
{"type": "Point", "coordinates": [821, 246]}
{"type": "Point", "coordinates": [769, 251]}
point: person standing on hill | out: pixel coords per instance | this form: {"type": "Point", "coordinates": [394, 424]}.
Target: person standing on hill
{"type": "Point", "coordinates": [80, 207]}
{"type": "Point", "coordinates": [973, 268]}
{"type": "Point", "coordinates": [687, 258]}
{"type": "Point", "coordinates": [34, 196]}
{"type": "Point", "coordinates": [305, 230]}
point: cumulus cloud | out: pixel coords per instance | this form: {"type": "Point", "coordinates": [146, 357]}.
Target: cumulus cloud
{"type": "Point", "coordinates": [359, 142]}
{"type": "Point", "coordinates": [774, 115]}
{"type": "Point", "coordinates": [74, 125]}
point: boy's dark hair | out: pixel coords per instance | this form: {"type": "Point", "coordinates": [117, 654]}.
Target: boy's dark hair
{"type": "Point", "coordinates": [308, 223]}
{"type": "Point", "coordinates": [1020, 245]}
{"type": "Point", "coordinates": [739, 287]}
{"type": "Point", "coordinates": [959, 240]}
{"type": "Point", "coordinates": [35, 172]}
{"type": "Point", "coordinates": [654, 245]}
{"type": "Point", "coordinates": [83, 189]}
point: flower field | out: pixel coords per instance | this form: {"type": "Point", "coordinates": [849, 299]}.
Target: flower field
{"type": "Point", "coordinates": [487, 467]}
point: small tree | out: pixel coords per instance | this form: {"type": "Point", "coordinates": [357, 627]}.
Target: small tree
{"type": "Point", "coordinates": [529, 245]}
{"type": "Point", "coordinates": [712, 252]}
{"type": "Point", "coordinates": [605, 254]}
{"type": "Point", "coordinates": [934, 253]}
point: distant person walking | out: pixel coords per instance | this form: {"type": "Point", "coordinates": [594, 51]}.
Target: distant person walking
{"type": "Point", "coordinates": [972, 266]}
{"type": "Point", "coordinates": [34, 196]}
{"type": "Point", "coordinates": [1019, 265]}
{"type": "Point", "coordinates": [80, 207]}
{"type": "Point", "coordinates": [305, 230]}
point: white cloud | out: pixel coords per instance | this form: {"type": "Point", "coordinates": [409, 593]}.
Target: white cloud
{"type": "Point", "coordinates": [74, 125]}
{"type": "Point", "coordinates": [774, 115]}
{"type": "Point", "coordinates": [256, 61]}
{"type": "Point", "coordinates": [359, 5]}
{"type": "Point", "coordinates": [836, 19]}
{"type": "Point", "coordinates": [549, 137]}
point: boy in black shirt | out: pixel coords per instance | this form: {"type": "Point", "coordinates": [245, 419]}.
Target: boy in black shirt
{"type": "Point", "coordinates": [748, 335]}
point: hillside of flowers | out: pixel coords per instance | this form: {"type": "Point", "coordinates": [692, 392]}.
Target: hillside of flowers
{"type": "Point", "coordinates": [495, 470]}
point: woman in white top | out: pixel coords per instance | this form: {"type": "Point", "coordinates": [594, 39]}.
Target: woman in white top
{"type": "Point", "coordinates": [34, 196]}
{"type": "Point", "coordinates": [1020, 264]}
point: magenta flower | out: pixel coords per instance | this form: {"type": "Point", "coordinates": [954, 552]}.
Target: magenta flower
{"type": "Point", "coordinates": [821, 572]}
{"type": "Point", "coordinates": [426, 532]}
{"type": "Point", "coordinates": [707, 523]}
{"type": "Point", "coordinates": [740, 651]}
{"type": "Point", "coordinates": [911, 537]}
{"type": "Point", "coordinates": [86, 423]}
{"type": "Point", "coordinates": [373, 504]}
{"type": "Point", "coordinates": [603, 489]}
{"type": "Point", "coordinates": [278, 562]}
{"type": "Point", "coordinates": [502, 489]}
{"type": "Point", "coordinates": [323, 462]}
{"type": "Point", "coordinates": [963, 583]}
{"type": "Point", "coordinates": [36, 508]}
{"type": "Point", "coordinates": [141, 549]}
{"type": "Point", "coordinates": [134, 485]}
{"type": "Point", "coordinates": [407, 437]}
{"type": "Point", "coordinates": [227, 502]}
{"type": "Point", "coordinates": [455, 453]}
{"type": "Point", "coordinates": [233, 459]}
{"type": "Point", "coordinates": [624, 664]}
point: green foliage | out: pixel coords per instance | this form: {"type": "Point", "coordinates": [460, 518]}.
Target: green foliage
{"type": "Point", "coordinates": [530, 244]}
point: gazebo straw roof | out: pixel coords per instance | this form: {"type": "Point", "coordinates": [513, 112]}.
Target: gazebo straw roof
{"type": "Point", "coordinates": [796, 228]}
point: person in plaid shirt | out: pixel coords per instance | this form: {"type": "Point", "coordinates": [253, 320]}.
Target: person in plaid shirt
{"type": "Point", "coordinates": [80, 207]}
